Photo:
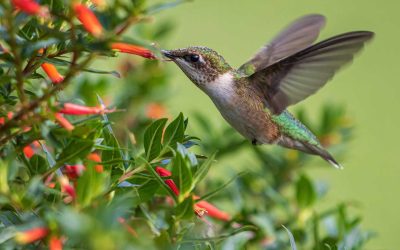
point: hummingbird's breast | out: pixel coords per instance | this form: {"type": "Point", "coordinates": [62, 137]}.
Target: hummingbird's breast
{"type": "Point", "coordinates": [242, 108]}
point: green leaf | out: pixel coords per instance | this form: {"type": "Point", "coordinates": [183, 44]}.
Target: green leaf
{"type": "Point", "coordinates": [291, 238]}
{"type": "Point", "coordinates": [158, 178]}
{"type": "Point", "coordinates": [147, 189]}
{"type": "Point", "coordinates": [209, 195]}
{"type": "Point", "coordinates": [91, 185]}
{"type": "Point", "coordinates": [77, 148]}
{"type": "Point", "coordinates": [223, 236]}
{"type": "Point", "coordinates": [152, 139]}
{"type": "Point", "coordinates": [305, 192]}
{"type": "Point", "coordinates": [111, 140]}
{"type": "Point", "coordinates": [7, 233]}
{"type": "Point", "coordinates": [38, 164]}
{"type": "Point", "coordinates": [174, 133]}
{"type": "Point", "coordinates": [162, 6]}
{"type": "Point", "coordinates": [203, 169]}
{"type": "Point", "coordinates": [182, 174]}
{"type": "Point", "coordinates": [185, 209]}
{"type": "Point", "coordinates": [114, 152]}
{"type": "Point", "coordinates": [4, 166]}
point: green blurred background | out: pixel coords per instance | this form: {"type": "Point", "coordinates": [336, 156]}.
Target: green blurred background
{"type": "Point", "coordinates": [368, 88]}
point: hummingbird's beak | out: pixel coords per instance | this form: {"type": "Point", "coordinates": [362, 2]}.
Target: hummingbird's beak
{"type": "Point", "coordinates": [168, 54]}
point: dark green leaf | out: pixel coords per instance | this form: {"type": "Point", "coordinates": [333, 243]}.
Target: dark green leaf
{"type": "Point", "coordinates": [182, 174]}
{"type": "Point", "coordinates": [305, 192]}
{"type": "Point", "coordinates": [174, 132]}
{"type": "Point", "coordinates": [152, 139]}
{"type": "Point", "coordinates": [220, 188]}
{"type": "Point", "coordinates": [77, 148]}
{"type": "Point", "coordinates": [185, 209]}
{"type": "Point", "coordinates": [203, 169]}
{"type": "Point", "coordinates": [38, 164]}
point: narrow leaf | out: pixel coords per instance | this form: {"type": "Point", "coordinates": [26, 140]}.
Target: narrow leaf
{"type": "Point", "coordinates": [291, 238]}
{"type": "Point", "coordinates": [152, 139]}
{"type": "Point", "coordinates": [209, 195]}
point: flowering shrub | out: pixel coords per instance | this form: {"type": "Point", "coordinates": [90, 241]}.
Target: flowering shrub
{"type": "Point", "coordinates": [78, 173]}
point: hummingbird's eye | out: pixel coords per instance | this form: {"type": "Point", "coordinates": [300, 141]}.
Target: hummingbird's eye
{"type": "Point", "coordinates": [193, 58]}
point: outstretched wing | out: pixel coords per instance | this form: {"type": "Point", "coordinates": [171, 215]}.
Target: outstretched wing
{"type": "Point", "coordinates": [294, 78]}
{"type": "Point", "coordinates": [297, 36]}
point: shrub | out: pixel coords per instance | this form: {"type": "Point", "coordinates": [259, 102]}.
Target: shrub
{"type": "Point", "coordinates": [78, 174]}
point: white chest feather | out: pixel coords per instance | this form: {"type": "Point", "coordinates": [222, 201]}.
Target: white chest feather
{"type": "Point", "coordinates": [221, 90]}
{"type": "Point", "coordinates": [241, 117]}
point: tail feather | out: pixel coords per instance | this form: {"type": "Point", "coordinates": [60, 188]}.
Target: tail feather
{"type": "Point", "coordinates": [324, 155]}
{"type": "Point", "coordinates": [310, 149]}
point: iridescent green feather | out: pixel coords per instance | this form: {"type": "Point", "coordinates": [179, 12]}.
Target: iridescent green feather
{"type": "Point", "coordinates": [293, 128]}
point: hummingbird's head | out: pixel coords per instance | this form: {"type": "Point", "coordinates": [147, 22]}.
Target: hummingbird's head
{"type": "Point", "coordinates": [201, 64]}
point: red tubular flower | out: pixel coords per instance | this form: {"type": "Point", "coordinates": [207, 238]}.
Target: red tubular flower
{"type": "Point", "coordinates": [75, 109]}
{"type": "Point", "coordinates": [73, 171]}
{"type": "Point", "coordinates": [96, 158]}
{"type": "Point", "coordinates": [52, 73]}
{"type": "Point", "coordinates": [28, 151]}
{"type": "Point", "coordinates": [133, 49]}
{"type": "Point", "coordinates": [88, 19]}
{"type": "Point", "coordinates": [165, 173]}
{"type": "Point", "coordinates": [30, 7]}
{"type": "Point", "coordinates": [55, 243]}
{"type": "Point", "coordinates": [66, 187]}
{"type": "Point", "coordinates": [31, 235]}
{"type": "Point", "coordinates": [9, 117]}
{"type": "Point", "coordinates": [211, 210]}
{"type": "Point", "coordinates": [200, 207]}
{"type": "Point", "coordinates": [64, 122]}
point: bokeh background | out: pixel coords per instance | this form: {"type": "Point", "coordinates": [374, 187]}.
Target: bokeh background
{"type": "Point", "coordinates": [369, 89]}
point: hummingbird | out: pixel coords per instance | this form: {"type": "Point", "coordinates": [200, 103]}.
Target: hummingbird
{"type": "Point", "coordinates": [254, 98]}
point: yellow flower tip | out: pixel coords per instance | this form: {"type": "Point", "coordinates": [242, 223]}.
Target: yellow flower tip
{"type": "Point", "coordinates": [31, 235]}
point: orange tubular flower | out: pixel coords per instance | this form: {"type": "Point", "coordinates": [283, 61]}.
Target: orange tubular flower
{"type": "Point", "coordinates": [31, 235]}
{"type": "Point", "coordinates": [55, 243]}
{"type": "Point", "coordinates": [88, 19]}
{"type": "Point", "coordinates": [30, 7]}
{"type": "Point", "coordinates": [130, 230]}
{"type": "Point", "coordinates": [52, 73]}
{"type": "Point", "coordinates": [75, 109]}
{"type": "Point", "coordinates": [165, 173]}
{"type": "Point", "coordinates": [64, 122]}
{"type": "Point", "coordinates": [155, 111]}
{"type": "Point", "coordinates": [96, 158]}
{"type": "Point", "coordinates": [133, 49]}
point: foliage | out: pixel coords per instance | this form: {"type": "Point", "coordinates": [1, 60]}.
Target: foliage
{"type": "Point", "coordinates": [132, 177]}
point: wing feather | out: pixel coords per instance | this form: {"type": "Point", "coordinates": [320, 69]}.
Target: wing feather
{"type": "Point", "coordinates": [297, 36]}
{"type": "Point", "coordinates": [294, 78]}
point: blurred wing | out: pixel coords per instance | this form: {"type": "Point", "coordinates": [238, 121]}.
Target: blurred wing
{"type": "Point", "coordinates": [297, 36]}
{"type": "Point", "coordinates": [295, 78]}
